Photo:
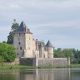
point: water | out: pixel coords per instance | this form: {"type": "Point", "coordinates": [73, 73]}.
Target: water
{"type": "Point", "coordinates": [41, 74]}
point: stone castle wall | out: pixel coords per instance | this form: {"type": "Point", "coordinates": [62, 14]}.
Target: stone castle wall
{"type": "Point", "coordinates": [55, 62]}
{"type": "Point", "coordinates": [41, 62]}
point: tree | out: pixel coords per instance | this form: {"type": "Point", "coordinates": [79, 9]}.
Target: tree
{"type": "Point", "coordinates": [73, 54]}
{"type": "Point", "coordinates": [14, 27]}
{"type": "Point", "coordinates": [10, 38]}
{"type": "Point", "coordinates": [76, 58]}
{"type": "Point", "coordinates": [1, 60]}
{"type": "Point", "coordinates": [57, 52]}
{"type": "Point", "coordinates": [63, 52]}
{"type": "Point", "coordinates": [7, 52]}
{"type": "Point", "coordinates": [68, 53]}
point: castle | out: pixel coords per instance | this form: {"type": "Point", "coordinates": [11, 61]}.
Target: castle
{"type": "Point", "coordinates": [33, 51]}
{"type": "Point", "coordinates": [28, 47]}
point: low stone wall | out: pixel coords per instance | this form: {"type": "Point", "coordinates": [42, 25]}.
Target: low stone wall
{"type": "Point", "coordinates": [55, 62]}
{"type": "Point", "coordinates": [42, 62]}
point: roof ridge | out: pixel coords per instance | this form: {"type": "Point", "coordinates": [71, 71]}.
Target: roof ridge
{"type": "Point", "coordinates": [48, 44]}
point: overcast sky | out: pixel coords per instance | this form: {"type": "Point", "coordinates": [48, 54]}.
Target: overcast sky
{"type": "Point", "coordinates": [56, 20]}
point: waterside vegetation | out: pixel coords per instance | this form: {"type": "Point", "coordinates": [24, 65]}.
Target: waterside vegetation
{"type": "Point", "coordinates": [15, 67]}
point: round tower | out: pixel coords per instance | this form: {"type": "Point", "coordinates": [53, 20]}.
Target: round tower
{"type": "Point", "coordinates": [49, 49]}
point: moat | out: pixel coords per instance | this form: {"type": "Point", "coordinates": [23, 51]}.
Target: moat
{"type": "Point", "coordinates": [41, 74]}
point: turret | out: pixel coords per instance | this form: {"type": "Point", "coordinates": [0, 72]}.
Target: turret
{"type": "Point", "coordinates": [23, 41]}
{"type": "Point", "coordinates": [49, 49]}
{"type": "Point", "coordinates": [19, 40]}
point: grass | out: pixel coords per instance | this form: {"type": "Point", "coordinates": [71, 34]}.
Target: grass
{"type": "Point", "coordinates": [75, 66]}
{"type": "Point", "coordinates": [16, 67]}
{"type": "Point", "coordinates": [3, 66]}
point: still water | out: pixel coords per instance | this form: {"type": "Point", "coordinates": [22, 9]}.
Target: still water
{"type": "Point", "coordinates": [41, 74]}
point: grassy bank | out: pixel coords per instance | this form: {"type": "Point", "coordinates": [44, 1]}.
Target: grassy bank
{"type": "Point", "coordinates": [16, 67]}
{"type": "Point", "coordinates": [31, 67]}
{"type": "Point", "coordinates": [75, 66]}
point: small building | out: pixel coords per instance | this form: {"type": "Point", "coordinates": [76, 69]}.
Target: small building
{"type": "Point", "coordinates": [29, 48]}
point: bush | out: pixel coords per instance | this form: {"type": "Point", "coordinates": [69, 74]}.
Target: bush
{"type": "Point", "coordinates": [7, 52]}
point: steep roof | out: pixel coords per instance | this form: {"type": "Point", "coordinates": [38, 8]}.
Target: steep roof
{"type": "Point", "coordinates": [49, 44]}
{"type": "Point", "coordinates": [23, 28]}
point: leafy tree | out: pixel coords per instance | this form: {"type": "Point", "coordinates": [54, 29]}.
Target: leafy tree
{"type": "Point", "coordinates": [7, 52]}
{"type": "Point", "coordinates": [57, 52]}
{"type": "Point", "coordinates": [73, 54]}
{"type": "Point", "coordinates": [68, 53]}
{"type": "Point", "coordinates": [76, 58]}
{"type": "Point", "coordinates": [10, 38]}
{"type": "Point", "coordinates": [14, 27]}
{"type": "Point", "coordinates": [63, 52]}
{"type": "Point", "coordinates": [1, 59]}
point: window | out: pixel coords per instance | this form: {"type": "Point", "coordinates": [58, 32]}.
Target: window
{"type": "Point", "coordinates": [19, 43]}
{"type": "Point", "coordinates": [20, 48]}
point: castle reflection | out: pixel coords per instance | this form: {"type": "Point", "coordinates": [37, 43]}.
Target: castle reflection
{"type": "Point", "coordinates": [47, 74]}
{"type": "Point", "coordinates": [41, 74]}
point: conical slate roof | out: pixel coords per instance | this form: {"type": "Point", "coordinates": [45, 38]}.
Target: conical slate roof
{"type": "Point", "coordinates": [23, 28]}
{"type": "Point", "coordinates": [49, 44]}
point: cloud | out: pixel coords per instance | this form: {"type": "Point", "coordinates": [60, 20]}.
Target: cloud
{"type": "Point", "coordinates": [57, 20]}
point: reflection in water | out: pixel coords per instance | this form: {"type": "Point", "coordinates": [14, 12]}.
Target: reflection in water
{"type": "Point", "coordinates": [75, 74]}
{"type": "Point", "coordinates": [52, 74]}
{"type": "Point", "coordinates": [39, 74]}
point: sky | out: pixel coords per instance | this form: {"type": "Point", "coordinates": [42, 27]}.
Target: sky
{"type": "Point", "coordinates": [54, 20]}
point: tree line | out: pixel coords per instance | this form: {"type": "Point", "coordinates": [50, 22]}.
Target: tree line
{"type": "Point", "coordinates": [73, 54]}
